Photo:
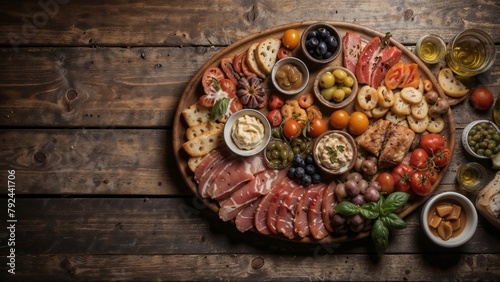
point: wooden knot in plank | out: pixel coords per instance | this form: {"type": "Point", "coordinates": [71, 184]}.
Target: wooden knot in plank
{"type": "Point", "coordinates": [40, 157]}
{"type": "Point", "coordinates": [71, 95]}
{"type": "Point", "coordinates": [257, 263]}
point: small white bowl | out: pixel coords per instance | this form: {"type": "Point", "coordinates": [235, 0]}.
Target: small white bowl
{"type": "Point", "coordinates": [470, 225]}
{"type": "Point", "coordinates": [228, 127]}
{"type": "Point", "coordinates": [300, 65]}
{"type": "Point", "coordinates": [465, 134]}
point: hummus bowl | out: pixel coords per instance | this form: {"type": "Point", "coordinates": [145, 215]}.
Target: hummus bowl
{"type": "Point", "coordinates": [247, 132]}
{"type": "Point", "coordinates": [335, 152]}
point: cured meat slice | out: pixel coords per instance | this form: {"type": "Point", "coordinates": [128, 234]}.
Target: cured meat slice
{"type": "Point", "coordinates": [234, 174]}
{"type": "Point", "coordinates": [244, 221]}
{"type": "Point", "coordinates": [255, 188]}
{"type": "Point", "coordinates": [274, 206]}
{"type": "Point", "coordinates": [387, 58]}
{"type": "Point", "coordinates": [260, 219]}
{"type": "Point", "coordinates": [286, 213]}
{"type": "Point", "coordinates": [327, 206]}
{"type": "Point", "coordinates": [314, 216]}
{"type": "Point", "coordinates": [207, 170]}
{"type": "Point", "coordinates": [367, 61]}
{"type": "Point", "coordinates": [300, 223]}
{"type": "Point", "coordinates": [352, 48]}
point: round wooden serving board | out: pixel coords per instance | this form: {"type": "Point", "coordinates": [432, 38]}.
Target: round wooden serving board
{"type": "Point", "coordinates": [194, 90]}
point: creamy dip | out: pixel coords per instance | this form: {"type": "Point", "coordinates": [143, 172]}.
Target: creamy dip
{"type": "Point", "coordinates": [335, 152]}
{"type": "Point", "coordinates": [247, 132]}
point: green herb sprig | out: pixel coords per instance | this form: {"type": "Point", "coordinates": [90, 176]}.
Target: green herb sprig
{"type": "Point", "coordinates": [382, 212]}
{"type": "Point", "coordinates": [333, 152]}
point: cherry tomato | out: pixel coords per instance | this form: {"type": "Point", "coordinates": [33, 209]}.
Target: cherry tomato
{"type": "Point", "coordinates": [431, 173]}
{"type": "Point", "coordinates": [442, 156]}
{"type": "Point", "coordinates": [316, 127]}
{"type": "Point", "coordinates": [481, 98]}
{"type": "Point", "coordinates": [339, 119]}
{"type": "Point", "coordinates": [291, 39]}
{"type": "Point", "coordinates": [358, 123]}
{"type": "Point", "coordinates": [275, 117]}
{"type": "Point", "coordinates": [215, 72]}
{"type": "Point", "coordinates": [291, 129]}
{"type": "Point", "coordinates": [276, 101]}
{"type": "Point", "coordinates": [284, 52]}
{"type": "Point", "coordinates": [430, 142]}
{"type": "Point", "coordinates": [419, 158]}
{"type": "Point", "coordinates": [402, 177]}
{"type": "Point", "coordinates": [386, 181]}
{"type": "Point", "coordinates": [420, 184]}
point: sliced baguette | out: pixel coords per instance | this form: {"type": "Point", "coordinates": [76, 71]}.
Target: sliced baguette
{"type": "Point", "coordinates": [488, 201]}
{"type": "Point", "coordinates": [197, 130]}
{"type": "Point", "coordinates": [266, 54]}
{"type": "Point", "coordinates": [204, 143]}
{"type": "Point", "coordinates": [252, 62]}
{"type": "Point", "coordinates": [196, 114]}
{"type": "Point", "coordinates": [450, 85]}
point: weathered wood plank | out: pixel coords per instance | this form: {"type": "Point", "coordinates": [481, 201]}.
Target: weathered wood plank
{"type": "Point", "coordinates": [251, 267]}
{"type": "Point", "coordinates": [93, 162]}
{"type": "Point", "coordinates": [131, 23]}
{"type": "Point", "coordinates": [118, 87]}
{"type": "Point", "coordinates": [114, 162]}
{"type": "Point", "coordinates": [153, 226]}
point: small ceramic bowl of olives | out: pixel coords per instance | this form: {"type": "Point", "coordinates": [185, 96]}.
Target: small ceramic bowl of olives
{"type": "Point", "coordinates": [481, 139]}
{"type": "Point", "coordinates": [320, 43]}
{"type": "Point", "coordinates": [290, 75]}
{"type": "Point", "coordinates": [278, 154]}
{"type": "Point", "coordinates": [335, 87]}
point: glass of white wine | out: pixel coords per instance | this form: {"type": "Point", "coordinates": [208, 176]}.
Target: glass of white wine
{"type": "Point", "coordinates": [471, 52]}
{"type": "Point", "coordinates": [431, 48]}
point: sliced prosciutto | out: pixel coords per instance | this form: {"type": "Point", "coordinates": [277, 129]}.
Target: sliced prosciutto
{"type": "Point", "coordinates": [314, 217]}
{"type": "Point", "coordinates": [208, 170]}
{"type": "Point", "coordinates": [274, 206]}
{"type": "Point", "coordinates": [367, 61]}
{"type": "Point", "coordinates": [301, 223]}
{"type": "Point", "coordinates": [388, 57]}
{"type": "Point", "coordinates": [327, 206]}
{"type": "Point", "coordinates": [244, 221]}
{"type": "Point", "coordinates": [233, 174]}
{"type": "Point", "coordinates": [255, 188]}
{"type": "Point", "coordinates": [286, 213]}
{"type": "Point", "coordinates": [351, 44]}
{"type": "Point", "coordinates": [260, 217]}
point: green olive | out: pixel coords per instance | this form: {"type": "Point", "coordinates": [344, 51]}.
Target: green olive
{"type": "Point", "coordinates": [348, 81]}
{"type": "Point", "coordinates": [338, 95]}
{"type": "Point", "coordinates": [340, 75]}
{"type": "Point", "coordinates": [327, 80]}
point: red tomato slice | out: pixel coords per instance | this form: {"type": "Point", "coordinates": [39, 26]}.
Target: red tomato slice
{"type": "Point", "coordinates": [413, 78]}
{"type": "Point", "coordinates": [224, 88]}
{"type": "Point", "coordinates": [396, 75]}
{"type": "Point", "coordinates": [215, 72]}
{"type": "Point", "coordinates": [228, 86]}
{"type": "Point", "coordinates": [284, 52]}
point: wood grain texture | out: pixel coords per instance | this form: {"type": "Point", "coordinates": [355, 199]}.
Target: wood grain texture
{"type": "Point", "coordinates": [135, 23]}
{"type": "Point", "coordinates": [93, 162]}
{"type": "Point", "coordinates": [270, 267]}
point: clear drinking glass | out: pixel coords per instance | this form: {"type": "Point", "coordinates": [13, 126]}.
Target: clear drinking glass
{"type": "Point", "coordinates": [471, 176]}
{"type": "Point", "coordinates": [471, 52]}
{"type": "Point", "coordinates": [431, 48]}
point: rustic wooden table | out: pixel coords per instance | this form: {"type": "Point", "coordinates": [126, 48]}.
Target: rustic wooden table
{"type": "Point", "coordinates": [88, 94]}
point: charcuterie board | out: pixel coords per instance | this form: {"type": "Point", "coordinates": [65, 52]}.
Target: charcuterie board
{"type": "Point", "coordinates": [194, 90]}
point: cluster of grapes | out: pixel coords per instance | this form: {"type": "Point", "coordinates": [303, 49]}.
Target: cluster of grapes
{"type": "Point", "coordinates": [304, 170]}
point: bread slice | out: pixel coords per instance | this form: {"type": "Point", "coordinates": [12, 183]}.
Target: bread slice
{"type": "Point", "coordinates": [450, 85]}
{"type": "Point", "coordinates": [204, 143]}
{"type": "Point", "coordinates": [373, 138]}
{"type": "Point", "coordinates": [196, 114]}
{"type": "Point", "coordinates": [252, 62]}
{"type": "Point", "coordinates": [266, 54]}
{"type": "Point", "coordinates": [197, 130]}
{"type": "Point", "coordinates": [488, 201]}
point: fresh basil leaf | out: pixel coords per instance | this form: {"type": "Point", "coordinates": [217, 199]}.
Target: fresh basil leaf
{"type": "Point", "coordinates": [380, 236]}
{"type": "Point", "coordinates": [219, 109]}
{"type": "Point", "coordinates": [346, 208]}
{"type": "Point", "coordinates": [216, 83]}
{"type": "Point", "coordinates": [393, 221]}
{"type": "Point", "coordinates": [393, 201]}
{"type": "Point", "coordinates": [369, 210]}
